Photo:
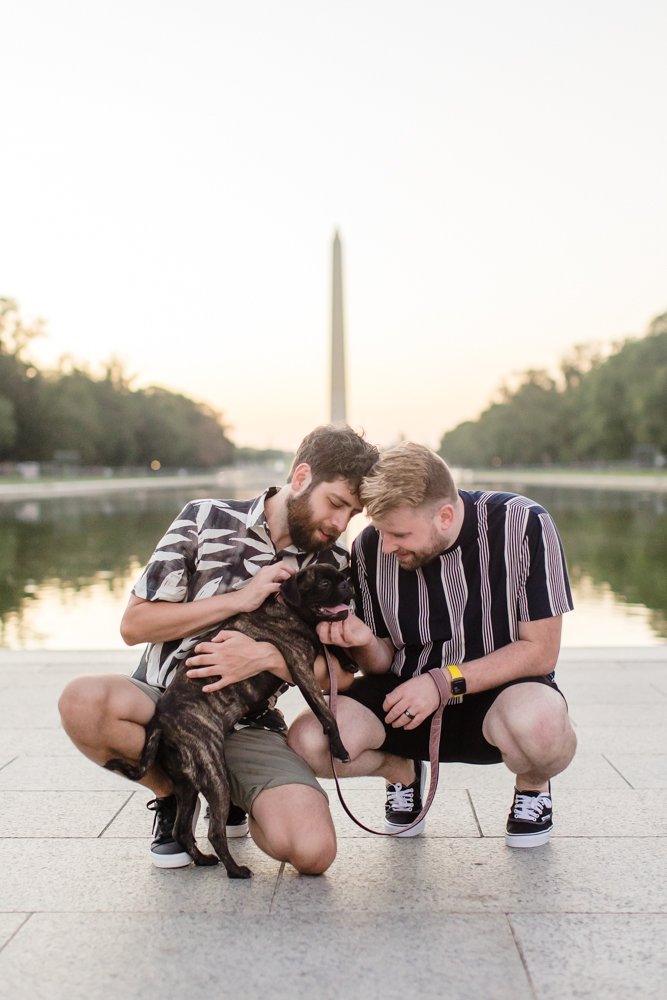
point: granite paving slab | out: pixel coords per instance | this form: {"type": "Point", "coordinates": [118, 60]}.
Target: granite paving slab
{"type": "Point", "coordinates": [35, 743]}
{"type": "Point", "coordinates": [585, 813]}
{"type": "Point", "coordinates": [64, 773]}
{"type": "Point", "coordinates": [54, 814]}
{"type": "Point", "coordinates": [89, 876]}
{"type": "Point", "coordinates": [621, 715]}
{"type": "Point", "coordinates": [409, 877]}
{"type": "Point", "coordinates": [10, 923]}
{"type": "Point", "coordinates": [590, 956]}
{"type": "Point", "coordinates": [279, 957]}
{"type": "Point", "coordinates": [641, 770]}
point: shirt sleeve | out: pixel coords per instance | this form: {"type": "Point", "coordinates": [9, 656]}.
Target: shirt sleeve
{"type": "Point", "coordinates": [545, 590]}
{"type": "Point", "coordinates": [170, 568]}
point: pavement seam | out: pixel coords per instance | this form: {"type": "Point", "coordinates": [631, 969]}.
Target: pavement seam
{"type": "Point", "coordinates": [619, 773]}
{"type": "Point", "coordinates": [117, 813]}
{"type": "Point", "coordinates": [474, 812]}
{"type": "Point", "coordinates": [279, 879]}
{"type": "Point", "coordinates": [522, 956]}
{"type": "Point", "coordinates": [20, 927]}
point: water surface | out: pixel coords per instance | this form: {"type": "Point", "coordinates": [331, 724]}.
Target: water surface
{"type": "Point", "coordinates": [67, 565]}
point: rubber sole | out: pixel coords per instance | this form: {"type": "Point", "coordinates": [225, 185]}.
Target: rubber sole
{"type": "Point", "coordinates": [528, 839]}
{"type": "Point", "coordinates": [180, 860]}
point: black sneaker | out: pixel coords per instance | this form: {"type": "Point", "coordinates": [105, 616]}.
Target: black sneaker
{"type": "Point", "coordinates": [165, 851]}
{"type": "Point", "coordinates": [529, 823]}
{"type": "Point", "coordinates": [237, 821]}
{"type": "Point", "coordinates": [404, 804]}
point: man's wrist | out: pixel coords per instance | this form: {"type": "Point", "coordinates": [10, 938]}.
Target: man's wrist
{"type": "Point", "coordinates": [271, 659]}
{"type": "Point", "coordinates": [455, 679]}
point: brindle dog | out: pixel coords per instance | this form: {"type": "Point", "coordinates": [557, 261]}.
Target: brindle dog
{"type": "Point", "coordinates": [186, 736]}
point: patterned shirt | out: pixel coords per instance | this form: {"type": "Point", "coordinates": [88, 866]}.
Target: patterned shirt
{"type": "Point", "coordinates": [507, 566]}
{"type": "Point", "coordinates": [212, 547]}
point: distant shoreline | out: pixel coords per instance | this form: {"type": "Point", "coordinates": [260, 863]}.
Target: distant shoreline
{"type": "Point", "coordinates": [258, 477]}
{"type": "Point", "coordinates": [654, 482]}
{"type": "Point", "coordinates": [233, 478]}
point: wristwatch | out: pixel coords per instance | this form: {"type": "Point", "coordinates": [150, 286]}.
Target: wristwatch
{"type": "Point", "coordinates": [457, 682]}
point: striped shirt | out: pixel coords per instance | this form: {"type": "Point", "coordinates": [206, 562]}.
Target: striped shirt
{"type": "Point", "coordinates": [212, 547]}
{"type": "Point", "coordinates": [507, 566]}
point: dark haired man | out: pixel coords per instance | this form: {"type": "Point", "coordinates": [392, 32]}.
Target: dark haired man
{"type": "Point", "coordinates": [472, 584]}
{"type": "Point", "coordinates": [219, 558]}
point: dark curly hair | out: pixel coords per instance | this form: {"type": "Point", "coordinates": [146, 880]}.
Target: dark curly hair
{"type": "Point", "coordinates": [335, 451]}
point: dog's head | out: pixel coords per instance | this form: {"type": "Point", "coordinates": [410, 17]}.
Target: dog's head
{"type": "Point", "coordinates": [318, 593]}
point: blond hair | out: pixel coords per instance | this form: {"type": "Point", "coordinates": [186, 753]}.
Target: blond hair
{"type": "Point", "coordinates": [409, 475]}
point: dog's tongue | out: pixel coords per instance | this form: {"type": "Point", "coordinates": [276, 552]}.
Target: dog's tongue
{"type": "Point", "coordinates": [337, 613]}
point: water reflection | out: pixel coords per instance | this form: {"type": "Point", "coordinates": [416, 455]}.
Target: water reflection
{"type": "Point", "coordinates": [67, 565]}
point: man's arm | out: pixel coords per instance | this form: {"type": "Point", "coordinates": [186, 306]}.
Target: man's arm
{"type": "Point", "coordinates": [373, 655]}
{"type": "Point", "coordinates": [533, 654]}
{"type": "Point", "coordinates": [161, 621]}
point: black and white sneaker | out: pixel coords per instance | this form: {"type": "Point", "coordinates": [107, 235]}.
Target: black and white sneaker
{"type": "Point", "coordinates": [165, 851]}
{"type": "Point", "coordinates": [404, 804]}
{"type": "Point", "coordinates": [530, 821]}
{"type": "Point", "coordinates": [237, 821]}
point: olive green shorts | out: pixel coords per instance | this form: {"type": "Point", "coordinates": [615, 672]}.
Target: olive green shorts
{"type": "Point", "coordinates": [256, 758]}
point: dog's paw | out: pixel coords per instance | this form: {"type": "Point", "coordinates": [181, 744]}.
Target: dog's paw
{"type": "Point", "coordinates": [339, 752]}
{"type": "Point", "coordinates": [206, 860]}
{"type": "Point", "coordinates": [239, 871]}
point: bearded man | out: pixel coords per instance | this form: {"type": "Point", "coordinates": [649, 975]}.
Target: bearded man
{"type": "Point", "coordinates": [219, 558]}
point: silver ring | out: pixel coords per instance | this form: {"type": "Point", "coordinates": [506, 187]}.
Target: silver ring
{"type": "Point", "coordinates": [409, 714]}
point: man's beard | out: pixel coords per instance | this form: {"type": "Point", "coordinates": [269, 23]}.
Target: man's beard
{"type": "Point", "coordinates": [302, 528]}
{"type": "Point", "coordinates": [413, 560]}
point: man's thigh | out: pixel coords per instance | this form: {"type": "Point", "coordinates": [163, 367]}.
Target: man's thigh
{"type": "Point", "coordinates": [464, 735]}
{"type": "Point", "coordinates": [259, 760]}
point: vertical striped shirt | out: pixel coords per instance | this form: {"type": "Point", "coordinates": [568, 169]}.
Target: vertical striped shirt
{"type": "Point", "coordinates": [507, 566]}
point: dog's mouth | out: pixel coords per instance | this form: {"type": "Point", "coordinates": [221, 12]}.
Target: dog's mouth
{"type": "Point", "coordinates": [337, 613]}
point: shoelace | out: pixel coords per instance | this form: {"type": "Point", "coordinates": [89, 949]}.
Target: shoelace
{"type": "Point", "coordinates": [530, 807]}
{"type": "Point", "coordinates": [400, 798]}
{"type": "Point", "coordinates": [163, 820]}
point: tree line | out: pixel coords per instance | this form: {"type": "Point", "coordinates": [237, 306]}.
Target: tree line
{"type": "Point", "coordinates": [602, 407]}
{"type": "Point", "coordinates": [70, 416]}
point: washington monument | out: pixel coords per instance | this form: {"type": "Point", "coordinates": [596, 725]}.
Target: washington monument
{"type": "Point", "coordinates": [337, 367]}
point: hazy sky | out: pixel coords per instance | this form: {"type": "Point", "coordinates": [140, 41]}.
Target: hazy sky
{"type": "Point", "coordinates": [172, 173]}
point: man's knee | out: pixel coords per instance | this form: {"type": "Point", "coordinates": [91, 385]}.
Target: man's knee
{"type": "Point", "coordinates": [82, 704]}
{"type": "Point", "coordinates": [313, 855]}
{"type": "Point", "coordinates": [538, 727]}
{"type": "Point", "coordinates": [306, 737]}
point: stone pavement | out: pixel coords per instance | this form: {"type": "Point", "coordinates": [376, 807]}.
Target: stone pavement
{"type": "Point", "coordinates": [455, 914]}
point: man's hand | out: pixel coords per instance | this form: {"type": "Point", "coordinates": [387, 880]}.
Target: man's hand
{"type": "Point", "coordinates": [350, 633]}
{"type": "Point", "coordinates": [419, 696]}
{"type": "Point", "coordinates": [232, 656]}
{"type": "Point", "coordinates": [262, 585]}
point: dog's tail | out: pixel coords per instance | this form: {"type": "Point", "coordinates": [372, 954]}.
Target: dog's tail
{"type": "Point", "coordinates": [148, 754]}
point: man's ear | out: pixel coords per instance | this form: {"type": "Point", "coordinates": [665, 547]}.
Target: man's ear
{"type": "Point", "coordinates": [302, 477]}
{"type": "Point", "coordinates": [445, 516]}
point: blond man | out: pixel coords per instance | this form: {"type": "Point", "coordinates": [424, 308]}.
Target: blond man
{"type": "Point", "coordinates": [472, 584]}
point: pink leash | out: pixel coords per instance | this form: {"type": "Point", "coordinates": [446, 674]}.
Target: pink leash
{"type": "Point", "coordinates": [433, 747]}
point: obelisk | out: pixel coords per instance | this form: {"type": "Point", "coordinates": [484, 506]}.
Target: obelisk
{"type": "Point", "coordinates": [338, 403]}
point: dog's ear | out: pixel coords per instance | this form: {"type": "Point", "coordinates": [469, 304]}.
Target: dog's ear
{"type": "Point", "coordinates": [290, 590]}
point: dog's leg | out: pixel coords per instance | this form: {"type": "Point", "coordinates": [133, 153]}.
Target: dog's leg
{"type": "Point", "coordinates": [186, 797]}
{"type": "Point", "coordinates": [218, 795]}
{"type": "Point", "coordinates": [310, 689]}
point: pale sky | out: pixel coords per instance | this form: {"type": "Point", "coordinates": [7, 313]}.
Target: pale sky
{"type": "Point", "coordinates": [172, 174]}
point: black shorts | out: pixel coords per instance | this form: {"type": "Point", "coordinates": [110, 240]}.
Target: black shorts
{"type": "Point", "coordinates": [461, 739]}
